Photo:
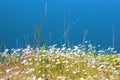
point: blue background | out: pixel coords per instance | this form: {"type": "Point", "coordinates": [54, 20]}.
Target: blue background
{"type": "Point", "coordinates": [18, 19]}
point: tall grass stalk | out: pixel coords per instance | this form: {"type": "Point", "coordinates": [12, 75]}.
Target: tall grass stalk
{"type": "Point", "coordinates": [67, 28]}
{"type": "Point", "coordinates": [85, 35]}
{"type": "Point", "coordinates": [37, 36]}
{"type": "Point", "coordinates": [113, 38]}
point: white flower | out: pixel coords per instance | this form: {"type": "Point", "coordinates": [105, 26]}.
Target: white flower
{"type": "Point", "coordinates": [24, 61]}
{"type": "Point", "coordinates": [66, 61]}
{"type": "Point", "coordinates": [18, 50]}
{"type": "Point", "coordinates": [33, 78]}
{"type": "Point", "coordinates": [30, 59]}
{"type": "Point", "coordinates": [95, 76]}
{"type": "Point", "coordinates": [116, 72]}
{"type": "Point", "coordinates": [93, 61]}
{"type": "Point", "coordinates": [101, 66]}
{"type": "Point", "coordinates": [53, 60]}
{"type": "Point", "coordinates": [61, 77]}
{"type": "Point", "coordinates": [93, 66]}
{"type": "Point", "coordinates": [63, 49]}
{"type": "Point", "coordinates": [82, 79]}
{"type": "Point", "coordinates": [63, 45]}
{"type": "Point", "coordinates": [115, 51]}
{"type": "Point", "coordinates": [28, 47]}
{"type": "Point", "coordinates": [48, 75]}
{"type": "Point", "coordinates": [74, 72]}
{"type": "Point", "coordinates": [99, 69]}
{"type": "Point", "coordinates": [43, 74]}
{"type": "Point", "coordinates": [75, 47]}
{"type": "Point", "coordinates": [90, 45]}
{"type": "Point", "coordinates": [100, 51]}
{"type": "Point", "coordinates": [39, 79]}
{"type": "Point", "coordinates": [6, 50]}
{"type": "Point", "coordinates": [67, 70]}
{"type": "Point", "coordinates": [30, 70]}
{"type": "Point", "coordinates": [17, 72]}
{"type": "Point", "coordinates": [47, 65]}
{"type": "Point", "coordinates": [57, 62]}
{"type": "Point", "coordinates": [69, 49]}
{"type": "Point", "coordinates": [8, 70]}
{"type": "Point", "coordinates": [83, 70]}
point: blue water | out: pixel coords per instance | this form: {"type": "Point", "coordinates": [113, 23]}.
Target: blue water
{"type": "Point", "coordinates": [18, 19]}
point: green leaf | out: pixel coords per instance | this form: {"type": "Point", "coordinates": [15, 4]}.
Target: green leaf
{"type": "Point", "coordinates": [14, 57]}
{"type": "Point", "coordinates": [43, 48]}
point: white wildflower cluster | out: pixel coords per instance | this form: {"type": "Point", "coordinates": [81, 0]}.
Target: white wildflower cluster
{"type": "Point", "coordinates": [76, 50]}
{"type": "Point", "coordinates": [63, 63]}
